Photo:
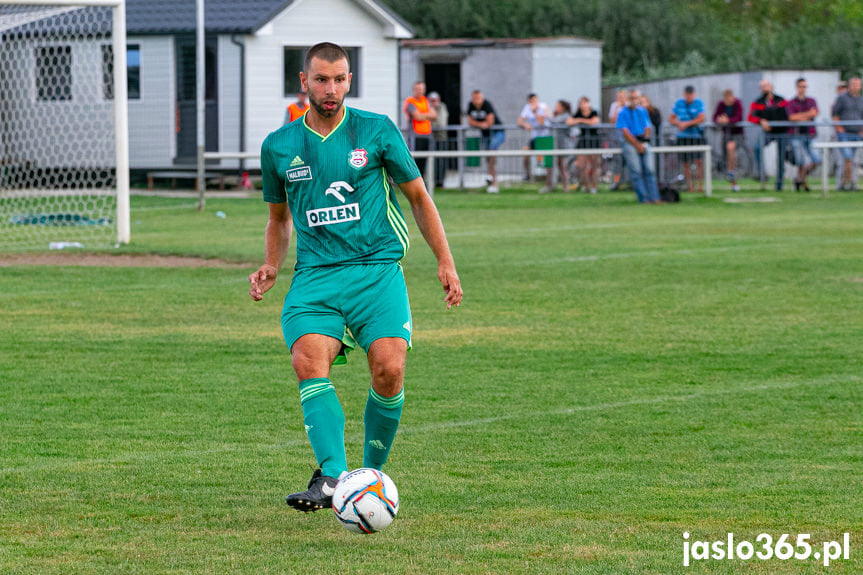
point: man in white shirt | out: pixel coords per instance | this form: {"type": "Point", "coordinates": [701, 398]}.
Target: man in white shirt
{"type": "Point", "coordinates": [535, 118]}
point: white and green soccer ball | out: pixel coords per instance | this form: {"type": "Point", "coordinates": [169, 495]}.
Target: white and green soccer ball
{"type": "Point", "coordinates": [366, 500]}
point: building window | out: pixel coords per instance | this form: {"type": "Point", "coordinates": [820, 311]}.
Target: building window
{"type": "Point", "coordinates": [133, 71]}
{"type": "Point", "coordinates": [54, 73]}
{"type": "Point", "coordinates": [293, 65]}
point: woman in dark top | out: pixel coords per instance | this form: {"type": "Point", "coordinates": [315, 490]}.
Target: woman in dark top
{"type": "Point", "coordinates": [655, 118]}
{"type": "Point", "coordinates": [588, 166]}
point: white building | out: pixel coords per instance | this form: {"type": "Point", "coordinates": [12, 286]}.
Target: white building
{"type": "Point", "coordinates": [254, 51]}
{"type": "Point", "coordinates": [505, 69]}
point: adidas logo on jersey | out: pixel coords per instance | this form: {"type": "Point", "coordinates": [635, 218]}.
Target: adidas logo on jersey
{"type": "Point", "coordinates": [297, 161]}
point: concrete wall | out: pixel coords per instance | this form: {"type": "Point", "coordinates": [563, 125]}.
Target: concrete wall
{"type": "Point", "coordinates": [504, 74]}
{"type": "Point", "coordinates": [663, 94]}
{"type": "Point", "coordinates": [507, 73]}
{"type": "Point", "coordinates": [567, 73]}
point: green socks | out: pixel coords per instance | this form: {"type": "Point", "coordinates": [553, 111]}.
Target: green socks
{"type": "Point", "coordinates": [381, 420]}
{"type": "Point", "coordinates": [325, 424]}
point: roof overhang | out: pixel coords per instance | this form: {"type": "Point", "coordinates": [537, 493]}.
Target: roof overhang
{"type": "Point", "coordinates": [394, 26]}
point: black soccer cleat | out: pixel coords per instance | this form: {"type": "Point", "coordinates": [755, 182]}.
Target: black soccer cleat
{"type": "Point", "coordinates": [318, 496]}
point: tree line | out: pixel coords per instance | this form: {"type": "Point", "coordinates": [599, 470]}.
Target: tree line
{"type": "Point", "coordinates": [650, 39]}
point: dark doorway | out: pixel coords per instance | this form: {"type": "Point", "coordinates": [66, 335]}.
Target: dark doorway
{"type": "Point", "coordinates": [445, 79]}
{"type": "Point", "coordinates": [187, 116]}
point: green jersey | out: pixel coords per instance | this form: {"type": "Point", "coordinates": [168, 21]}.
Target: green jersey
{"type": "Point", "coordinates": [337, 188]}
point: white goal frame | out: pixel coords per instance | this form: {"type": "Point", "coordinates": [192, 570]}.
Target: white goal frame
{"type": "Point", "coordinates": [121, 115]}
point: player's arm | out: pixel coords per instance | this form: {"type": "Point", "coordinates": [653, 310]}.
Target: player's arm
{"type": "Point", "coordinates": [430, 225]}
{"type": "Point", "coordinates": [278, 238]}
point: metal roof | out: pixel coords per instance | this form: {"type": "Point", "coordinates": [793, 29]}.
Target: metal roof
{"type": "Point", "coordinates": [177, 16]}
{"type": "Point", "coordinates": [220, 16]}
{"type": "Point", "coordinates": [499, 42]}
{"type": "Point", "coordinates": [164, 17]}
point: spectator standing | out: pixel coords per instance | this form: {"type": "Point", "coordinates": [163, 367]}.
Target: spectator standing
{"type": "Point", "coordinates": [616, 106]}
{"type": "Point", "coordinates": [420, 115]}
{"type": "Point", "coordinates": [849, 108]}
{"type": "Point", "coordinates": [617, 166]}
{"type": "Point", "coordinates": [634, 125]}
{"type": "Point", "coordinates": [728, 114]}
{"type": "Point", "coordinates": [563, 139]}
{"type": "Point", "coordinates": [769, 108]}
{"type": "Point", "coordinates": [803, 109]}
{"type": "Point", "coordinates": [841, 88]}
{"type": "Point", "coordinates": [535, 118]}
{"type": "Point", "coordinates": [588, 166]}
{"type": "Point", "coordinates": [481, 114]}
{"type": "Point", "coordinates": [655, 118]}
{"type": "Point", "coordinates": [439, 132]}
{"type": "Point", "coordinates": [687, 116]}
{"type": "Point", "coordinates": [297, 109]}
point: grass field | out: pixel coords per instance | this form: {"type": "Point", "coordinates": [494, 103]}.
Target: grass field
{"type": "Point", "coordinates": [617, 375]}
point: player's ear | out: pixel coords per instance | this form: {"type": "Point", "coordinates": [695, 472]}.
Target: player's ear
{"type": "Point", "coordinates": [303, 83]}
{"type": "Point", "coordinates": [350, 77]}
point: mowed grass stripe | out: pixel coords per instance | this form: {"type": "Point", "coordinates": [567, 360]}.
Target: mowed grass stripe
{"type": "Point", "coordinates": [435, 428]}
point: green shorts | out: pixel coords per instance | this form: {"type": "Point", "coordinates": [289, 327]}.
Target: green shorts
{"type": "Point", "coordinates": [351, 303]}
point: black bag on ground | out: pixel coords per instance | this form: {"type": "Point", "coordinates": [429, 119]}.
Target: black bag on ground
{"type": "Point", "coordinates": [669, 195]}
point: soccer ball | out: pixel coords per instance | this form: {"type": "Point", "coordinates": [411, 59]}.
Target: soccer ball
{"type": "Point", "coordinates": [366, 500]}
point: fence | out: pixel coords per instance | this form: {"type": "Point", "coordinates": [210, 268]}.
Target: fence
{"type": "Point", "coordinates": [756, 152]}
{"type": "Point", "coordinates": [457, 158]}
{"type": "Point", "coordinates": [662, 154]}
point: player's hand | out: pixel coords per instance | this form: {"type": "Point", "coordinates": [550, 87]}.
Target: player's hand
{"type": "Point", "coordinates": [262, 280]}
{"type": "Point", "coordinates": [451, 284]}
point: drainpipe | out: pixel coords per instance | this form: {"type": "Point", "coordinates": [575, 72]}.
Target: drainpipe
{"type": "Point", "coordinates": [242, 46]}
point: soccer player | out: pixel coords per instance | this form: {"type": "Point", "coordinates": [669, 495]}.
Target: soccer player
{"type": "Point", "coordinates": [327, 175]}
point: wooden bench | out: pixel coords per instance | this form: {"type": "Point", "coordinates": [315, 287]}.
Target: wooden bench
{"type": "Point", "coordinates": [175, 175]}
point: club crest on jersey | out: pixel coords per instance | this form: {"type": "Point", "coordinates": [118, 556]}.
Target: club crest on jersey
{"type": "Point", "coordinates": [358, 158]}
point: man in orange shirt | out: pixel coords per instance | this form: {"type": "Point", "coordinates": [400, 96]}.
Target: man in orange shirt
{"type": "Point", "coordinates": [420, 114]}
{"type": "Point", "coordinates": [297, 109]}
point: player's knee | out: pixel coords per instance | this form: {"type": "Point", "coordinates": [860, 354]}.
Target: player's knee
{"type": "Point", "coordinates": [388, 374]}
{"type": "Point", "coordinates": [307, 366]}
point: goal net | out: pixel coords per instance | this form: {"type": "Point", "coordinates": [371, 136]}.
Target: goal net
{"type": "Point", "coordinates": [59, 111]}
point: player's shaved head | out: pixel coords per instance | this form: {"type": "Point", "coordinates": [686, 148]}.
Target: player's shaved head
{"type": "Point", "coordinates": [325, 51]}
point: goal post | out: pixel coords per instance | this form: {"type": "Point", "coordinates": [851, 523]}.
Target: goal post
{"type": "Point", "coordinates": [64, 146]}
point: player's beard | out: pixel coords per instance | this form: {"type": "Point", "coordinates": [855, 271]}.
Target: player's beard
{"type": "Point", "coordinates": [321, 110]}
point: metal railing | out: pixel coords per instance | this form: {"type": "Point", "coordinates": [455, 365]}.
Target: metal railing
{"type": "Point", "coordinates": [429, 175]}
{"type": "Point", "coordinates": [458, 156]}
{"type": "Point", "coordinates": [756, 151]}
{"type": "Point", "coordinates": [825, 168]}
